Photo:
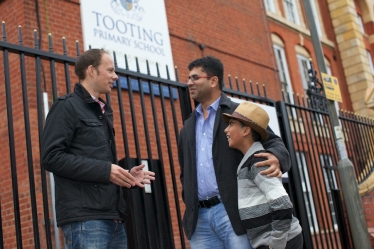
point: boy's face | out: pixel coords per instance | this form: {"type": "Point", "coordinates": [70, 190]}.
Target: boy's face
{"type": "Point", "coordinates": [235, 133]}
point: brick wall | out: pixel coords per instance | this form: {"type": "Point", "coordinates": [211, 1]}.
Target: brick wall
{"type": "Point", "coordinates": [234, 31]}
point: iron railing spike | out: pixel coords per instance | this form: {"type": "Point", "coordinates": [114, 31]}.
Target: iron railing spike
{"type": "Point", "coordinates": [36, 45]}
{"type": "Point", "coordinates": [20, 38]}
{"type": "Point", "coordinates": [50, 44]}
{"type": "Point", "coordinates": [258, 89]}
{"type": "Point", "coordinates": [230, 83]}
{"type": "Point", "coordinates": [65, 52]}
{"type": "Point", "coordinates": [176, 74]}
{"type": "Point", "coordinates": [126, 63]}
{"type": "Point", "coordinates": [158, 70]}
{"type": "Point", "coordinates": [115, 59]}
{"type": "Point", "coordinates": [237, 83]}
{"type": "Point", "coordinates": [251, 85]}
{"type": "Point", "coordinates": [77, 48]}
{"type": "Point", "coordinates": [137, 65]}
{"type": "Point", "coordinates": [147, 64]}
{"type": "Point", "coordinates": [264, 88]}
{"type": "Point", "coordinates": [167, 72]}
{"type": "Point", "coordinates": [3, 31]}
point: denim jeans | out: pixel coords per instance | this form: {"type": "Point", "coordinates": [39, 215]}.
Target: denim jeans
{"type": "Point", "coordinates": [95, 234]}
{"type": "Point", "coordinates": [214, 230]}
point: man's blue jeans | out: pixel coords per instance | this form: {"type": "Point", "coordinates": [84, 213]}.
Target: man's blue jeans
{"type": "Point", "coordinates": [95, 234]}
{"type": "Point", "coordinates": [214, 230]}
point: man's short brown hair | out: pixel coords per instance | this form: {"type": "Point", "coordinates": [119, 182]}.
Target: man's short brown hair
{"type": "Point", "coordinates": [88, 58]}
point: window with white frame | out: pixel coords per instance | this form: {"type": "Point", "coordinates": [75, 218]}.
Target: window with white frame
{"type": "Point", "coordinates": [291, 11]}
{"type": "Point", "coordinates": [269, 5]}
{"type": "Point", "coordinates": [370, 60]}
{"type": "Point", "coordinates": [360, 23]}
{"type": "Point", "coordinates": [303, 63]}
{"type": "Point", "coordinates": [330, 182]}
{"type": "Point", "coordinates": [328, 68]}
{"type": "Point", "coordinates": [307, 192]}
{"type": "Point", "coordinates": [283, 73]}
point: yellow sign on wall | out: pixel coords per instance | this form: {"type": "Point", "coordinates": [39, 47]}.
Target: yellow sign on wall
{"type": "Point", "coordinates": [331, 87]}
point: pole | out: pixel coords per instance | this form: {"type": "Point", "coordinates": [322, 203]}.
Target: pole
{"type": "Point", "coordinates": [352, 199]}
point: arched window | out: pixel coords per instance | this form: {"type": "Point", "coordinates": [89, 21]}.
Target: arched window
{"type": "Point", "coordinates": [281, 60]}
{"type": "Point", "coordinates": [303, 62]}
{"type": "Point", "coordinates": [359, 18]}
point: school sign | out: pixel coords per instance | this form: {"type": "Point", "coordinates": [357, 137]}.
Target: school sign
{"type": "Point", "coordinates": [137, 28]}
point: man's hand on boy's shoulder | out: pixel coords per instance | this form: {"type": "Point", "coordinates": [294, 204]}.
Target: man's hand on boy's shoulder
{"type": "Point", "coordinates": [275, 168]}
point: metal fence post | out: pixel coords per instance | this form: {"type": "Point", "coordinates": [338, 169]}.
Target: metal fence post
{"type": "Point", "coordinates": [294, 175]}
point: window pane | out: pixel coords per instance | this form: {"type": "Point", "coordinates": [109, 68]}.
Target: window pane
{"type": "Point", "coordinates": [283, 73]}
{"type": "Point", "coordinates": [269, 5]}
{"type": "Point", "coordinates": [370, 60]}
{"type": "Point", "coordinates": [290, 9]}
{"type": "Point", "coordinates": [303, 69]}
{"type": "Point", "coordinates": [360, 23]}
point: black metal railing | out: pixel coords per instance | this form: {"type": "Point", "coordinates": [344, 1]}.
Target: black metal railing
{"type": "Point", "coordinates": [314, 176]}
{"type": "Point", "coordinates": [149, 113]}
{"type": "Point", "coordinates": [358, 134]}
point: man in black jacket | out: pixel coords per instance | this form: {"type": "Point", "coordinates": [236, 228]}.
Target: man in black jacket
{"type": "Point", "coordinates": [208, 165]}
{"type": "Point", "coordinates": [78, 147]}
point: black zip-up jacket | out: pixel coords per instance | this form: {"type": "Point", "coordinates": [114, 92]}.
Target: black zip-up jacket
{"type": "Point", "coordinates": [78, 148]}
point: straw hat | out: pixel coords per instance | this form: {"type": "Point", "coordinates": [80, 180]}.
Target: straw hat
{"type": "Point", "coordinates": [251, 115]}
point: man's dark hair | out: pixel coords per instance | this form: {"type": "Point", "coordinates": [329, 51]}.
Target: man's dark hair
{"type": "Point", "coordinates": [89, 57]}
{"type": "Point", "coordinates": [212, 66]}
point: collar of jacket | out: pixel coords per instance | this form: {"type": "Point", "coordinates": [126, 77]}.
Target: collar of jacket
{"type": "Point", "coordinates": [83, 93]}
{"type": "Point", "coordinates": [223, 102]}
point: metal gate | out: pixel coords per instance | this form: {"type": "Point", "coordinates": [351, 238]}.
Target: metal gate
{"type": "Point", "coordinates": [313, 182]}
{"type": "Point", "coordinates": [149, 112]}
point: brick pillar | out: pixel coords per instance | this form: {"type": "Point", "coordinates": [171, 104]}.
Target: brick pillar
{"type": "Point", "coordinates": [353, 54]}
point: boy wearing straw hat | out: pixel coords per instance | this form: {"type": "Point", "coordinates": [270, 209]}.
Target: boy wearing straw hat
{"type": "Point", "coordinates": [264, 206]}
